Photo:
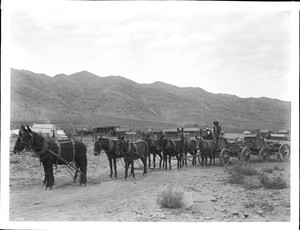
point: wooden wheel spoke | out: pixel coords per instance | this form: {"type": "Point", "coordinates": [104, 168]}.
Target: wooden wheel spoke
{"type": "Point", "coordinates": [224, 157]}
{"type": "Point", "coordinates": [284, 152]}
{"type": "Point", "coordinates": [264, 155]}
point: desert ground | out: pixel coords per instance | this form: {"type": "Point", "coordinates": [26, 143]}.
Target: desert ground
{"type": "Point", "coordinates": [214, 199]}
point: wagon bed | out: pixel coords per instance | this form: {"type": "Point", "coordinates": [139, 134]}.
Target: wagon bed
{"type": "Point", "coordinates": [266, 148]}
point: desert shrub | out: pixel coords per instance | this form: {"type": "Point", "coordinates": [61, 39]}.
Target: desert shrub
{"type": "Point", "coordinates": [268, 170]}
{"type": "Point", "coordinates": [276, 167]}
{"type": "Point", "coordinates": [275, 183]}
{"type": "Point", "coordinates": [237, 173]}
{"type": "Point", "coordinates": [248, 171]}
{"type": "Point", "coordinates": [14, 161]}
{"type": "Point", "coordinates": [252, 186]}
{"type": "Point", "coordinates": [171, 198]}
{"type": "Point", "coordinates": [236, 178]}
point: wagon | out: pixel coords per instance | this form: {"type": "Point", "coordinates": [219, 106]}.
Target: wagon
{"type": "Point", "coordinates": [265, 149]}
{"type": "Point", "coordinates": [228, 149]}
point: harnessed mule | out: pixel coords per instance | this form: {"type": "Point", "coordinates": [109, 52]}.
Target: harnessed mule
{"type": "Point", "coordinates": [207, 149]}
{"type": "Point", "coordinates": [109, 147]}
{"type": "Point", "coordinates": [171, 148]}
{"type": "Point", "coordinates": [131, 152]}
{"type": "Point", "coordinates": [153, 149]}
{"type": "Point", "coordinates": [190, 146]}
{"type": "Point", "coordinates": [55, 152]}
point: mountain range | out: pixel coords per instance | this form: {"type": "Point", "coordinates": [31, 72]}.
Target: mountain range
{"type": "Point", "coordinates": [85, 99]}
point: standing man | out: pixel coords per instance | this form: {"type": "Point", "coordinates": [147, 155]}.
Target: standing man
{"type": "Point", "coordinates": [216, 131]}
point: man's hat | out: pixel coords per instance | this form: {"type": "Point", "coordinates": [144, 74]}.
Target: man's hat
{"type": "Point", "coordinates": [216, 123]}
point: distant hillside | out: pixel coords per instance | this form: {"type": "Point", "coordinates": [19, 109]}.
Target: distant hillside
{"type": "Point", "coordinates": [86, 99]}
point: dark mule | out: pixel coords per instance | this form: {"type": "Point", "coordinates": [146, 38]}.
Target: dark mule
{"type": "Point", "coordinates": [109, 147]}
{"type": "Point", "coordinates": [71, 151]}
{"type": "Point", "coordinates": [188, 146]}
{"type": "Point", "coordinates": [131, 152]}
{"type": "Point", "coordinates": [191, 147]}
{"type": "Point", "coordinates": [153, 149]}
{"type": "Point", "coordinates": [171, 148]}
{"type": "Point", "coordinates": [207, 149]}
{"type": "Point", "coordinates": [16, 149]}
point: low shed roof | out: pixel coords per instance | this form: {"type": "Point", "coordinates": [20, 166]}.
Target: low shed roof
{"type": "Point", "coordinates": [44, 126]}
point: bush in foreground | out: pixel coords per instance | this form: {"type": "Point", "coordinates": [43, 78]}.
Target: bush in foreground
{"type": "Point", "coordinates": [268, 170]}
{"type": "Point", "coordinates": [272, 183]}
{"type": "Point", "coordinates": [172, 197]}
{"type": "Point", "coordinates": [276, 167]}
{"type": "Point", "coordinates": [238, 172]}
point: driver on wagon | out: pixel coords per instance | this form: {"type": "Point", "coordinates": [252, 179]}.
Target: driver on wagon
{"type": "Point", "coordinates": [216, 131]}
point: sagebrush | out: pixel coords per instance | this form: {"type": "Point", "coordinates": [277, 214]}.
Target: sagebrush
{"type": "Point", "coordinates": [172, 197]}
{"type": "Point", "coordinates": [238, 172]}
{"type": "Point", "coordinates": [272, 183]}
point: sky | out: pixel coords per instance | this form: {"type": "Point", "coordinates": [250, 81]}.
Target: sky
{"type": "Point", "coordinates": [237, 52]}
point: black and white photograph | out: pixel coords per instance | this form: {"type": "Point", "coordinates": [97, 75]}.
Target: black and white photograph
{"type": "Point", "coordinates": [147, 112]}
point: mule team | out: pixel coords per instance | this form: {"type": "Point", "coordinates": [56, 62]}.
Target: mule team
{"type": "Point", "coordinates": [52, 152]}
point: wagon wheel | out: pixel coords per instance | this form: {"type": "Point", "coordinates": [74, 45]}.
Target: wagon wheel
{"type": "Point", "coordinates": [284, 152]}
{"type": "Point", "coordinates": [264, 155]}
{"type": "Point", "coordinates": [224, 157]}
{"type": "Point", "coordinates": [245, 156]}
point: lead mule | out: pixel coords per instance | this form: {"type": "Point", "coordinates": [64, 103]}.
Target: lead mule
{"type": "Point", "coordinates": [48, 153]}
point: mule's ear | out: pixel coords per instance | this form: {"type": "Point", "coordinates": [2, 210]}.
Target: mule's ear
{"type": "Point", "coordinates": [28, 128]}
{"type": "Point", "coordinates": [22, 130]}
{"type": "Point", "coordinates": [122, 138]}
{"type": "Point", "coordinates": [178, 130]}
{"type": "Point", "coordinates": [181, 129]}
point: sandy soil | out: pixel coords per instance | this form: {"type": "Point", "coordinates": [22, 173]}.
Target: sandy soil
{"type": "Point", "coordinates": [105, 199]}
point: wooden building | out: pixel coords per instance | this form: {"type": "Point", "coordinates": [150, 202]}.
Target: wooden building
{"type": "Point", "coordinates": [105, 131]}
{"type": "Point", "coordinates": [47, 130]}
{"type": "Point", "coordinates": [278, 136]}
{"type": "Point", "coordinates": [171, 133]}
{"type": "Point", "coordinates": [285, 132]}
{"type": "Point", "coordinates": [193, 132]}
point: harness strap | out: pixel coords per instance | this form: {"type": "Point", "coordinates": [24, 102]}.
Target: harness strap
{"type": "Point", "coordinates": [129, 147]}
{"type": "Point", "coordinates": [73, 145]}
{"type": "Point", "coordinates": [168, 143]}
{"type": "Point", "coordinates": [136, 148]}
{"type": "Point", "coordinates": [110, 145]}
{"type": "Point", "coordinates": [58, 151]}
{"type": "Point", "coordinates": [174, 145]}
